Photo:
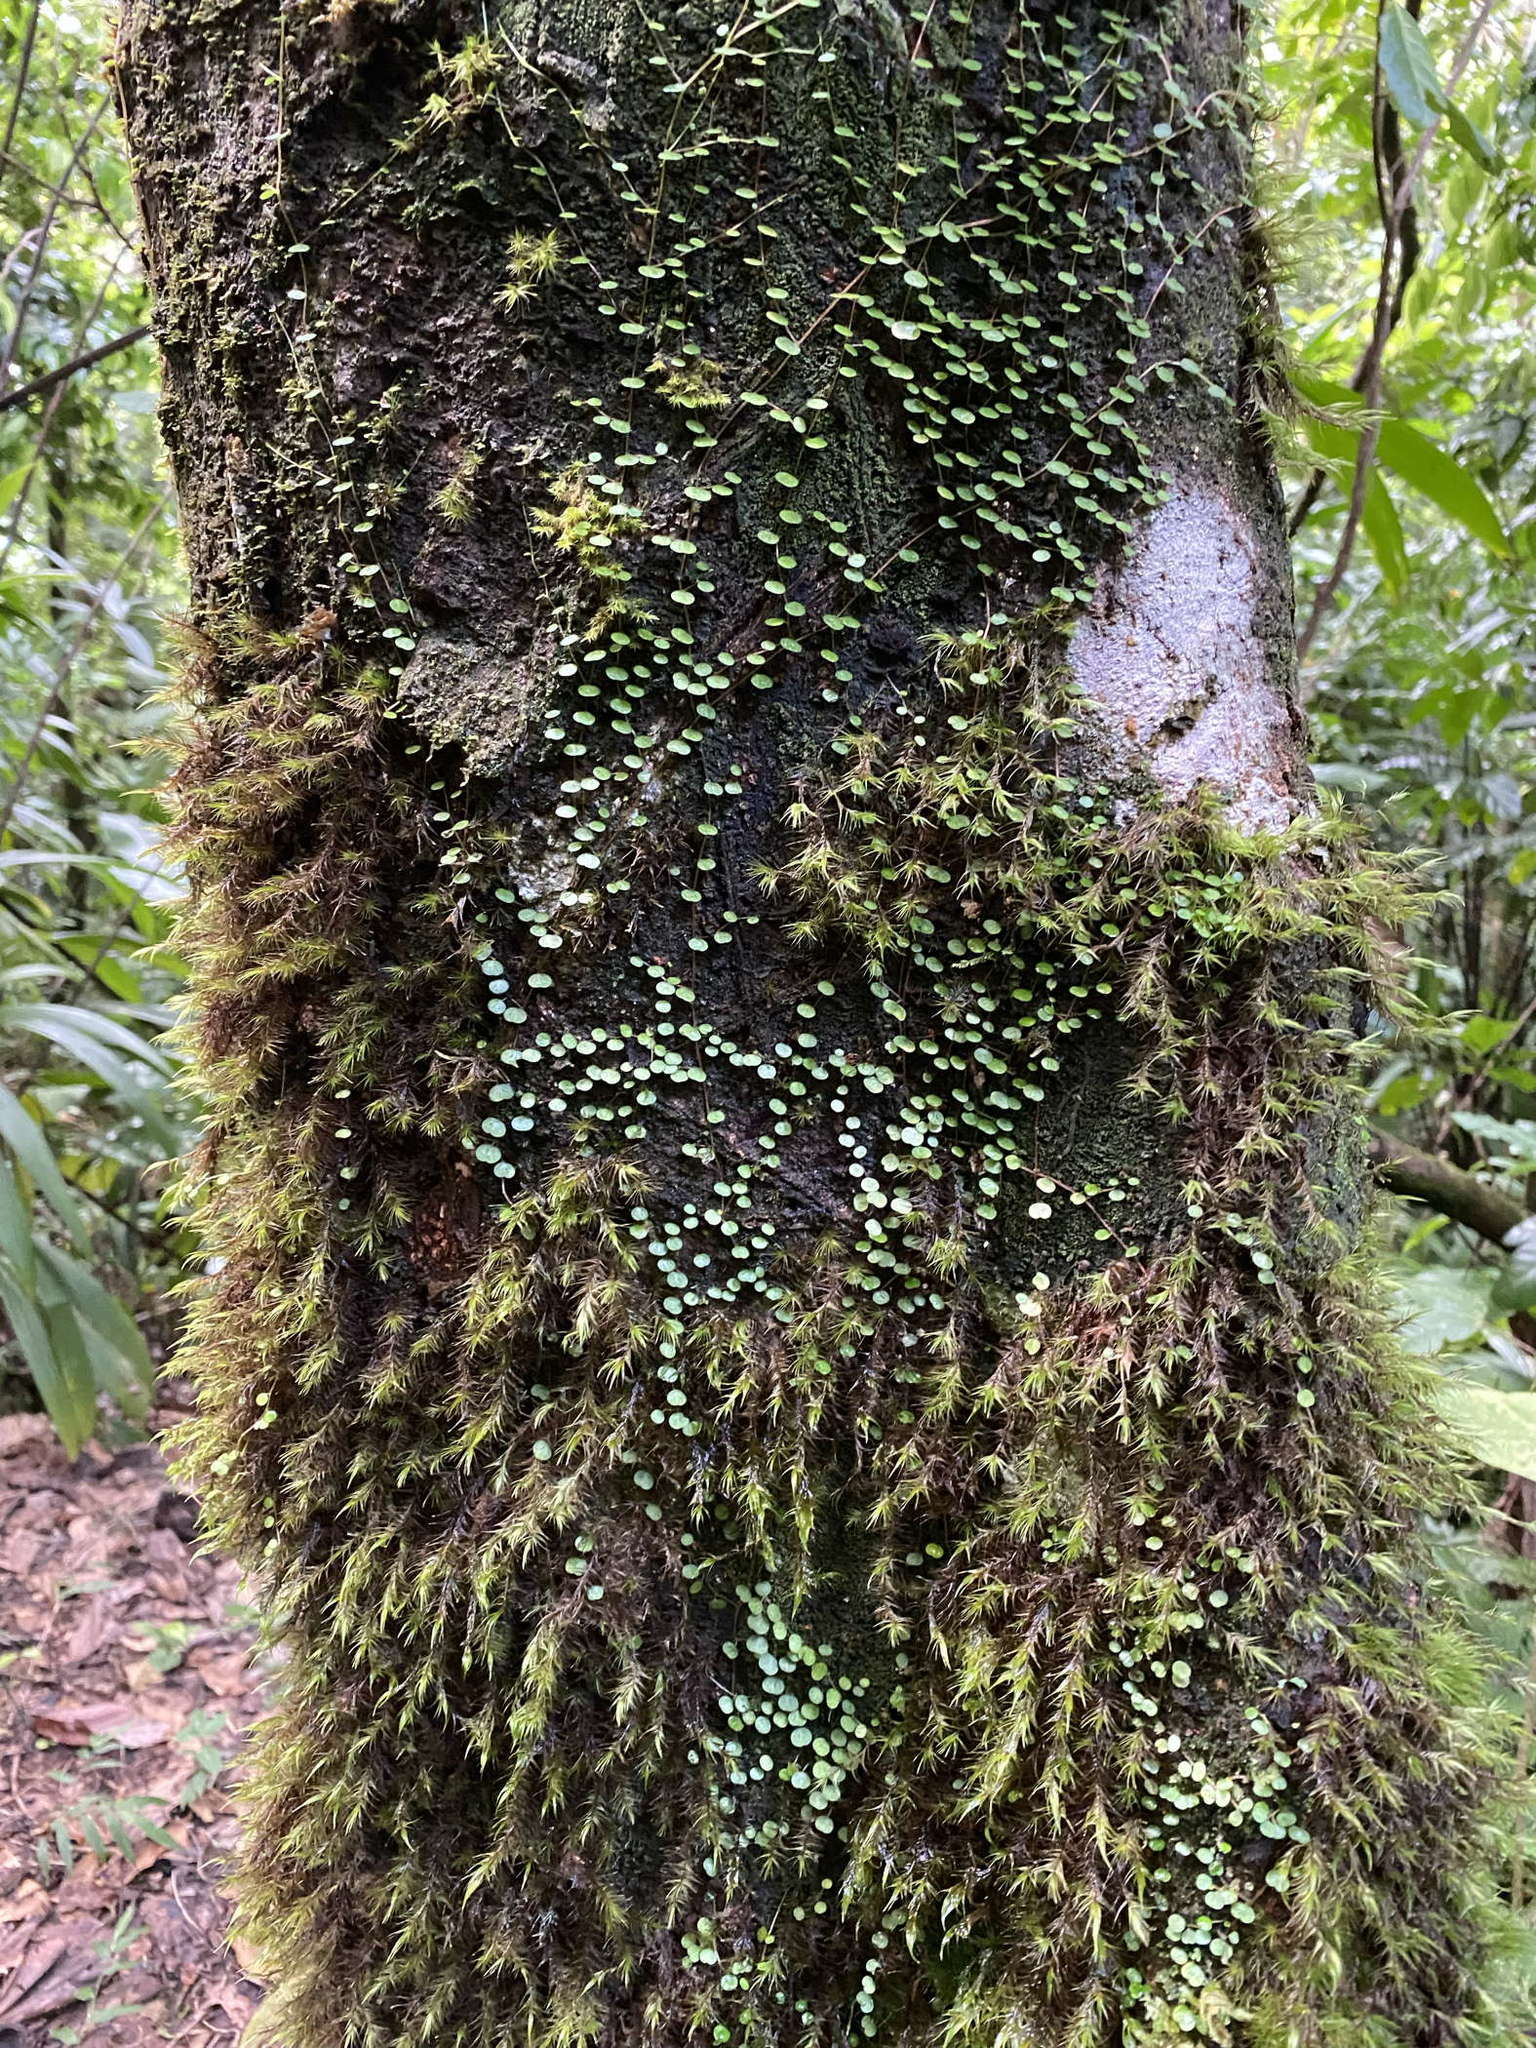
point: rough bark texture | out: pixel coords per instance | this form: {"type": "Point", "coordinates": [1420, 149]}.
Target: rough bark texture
{"type": "Point", "coordinates": [776, 1010]}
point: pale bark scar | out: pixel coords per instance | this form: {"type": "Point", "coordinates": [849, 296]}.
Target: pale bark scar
{"type": "Point", "coordinates": [1171, 653]}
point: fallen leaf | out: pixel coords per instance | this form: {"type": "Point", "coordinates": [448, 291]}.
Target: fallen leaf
{"type": "Point", "coordinates": [91, 1525]}
{"type": "Point", "coordinates": [79, 1893]}
{"type": "Point", "coordinates": [119, 1719]}
{"type": "Point", "coordinates": [46, 1976]}
{"type": "Point", "coordinates": [26, 1958]}
{"type": "Point", "coordinates": [228, 1676]}
{"type": "Point", "coordinates": [89, 1631]}
{"type": "Point", "coordinates": [25, 1903]}
{"type": "Point", "coordinates": [19, 1551]}
{"type": "Point", "coordinates": [166, 1786]}
{"type": "Point", "coordinates": [151, 1852]}
{"type": "Point", "coordinates": [19, 1430]}
{"type": "Point", "coordinates": [164, 1546]}
{"type": "Point", "coordinates": [172, 1590]}
{"type": "Point", "coordinates": [142, 1673]}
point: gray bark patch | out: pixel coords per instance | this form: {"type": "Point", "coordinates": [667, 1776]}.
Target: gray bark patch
{"type": "Point", "coordinates": [1172, 654]}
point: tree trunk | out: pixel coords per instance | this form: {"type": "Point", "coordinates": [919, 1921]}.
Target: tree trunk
{"type": "Point", "coordinates": [777, 1011]}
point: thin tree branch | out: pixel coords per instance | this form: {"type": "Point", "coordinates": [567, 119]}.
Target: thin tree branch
{"type": "Point", "coordinates": [1396, 198]}
{"type": "Point", "coordinates": [23, 73]}
{"type": "Point", "coordinates": [1486, 1211]}
{"type": "Point", "coordinates": [1389, 167]}
{"type": "Point", "coordinates": [45, 228]}
{"type": "Point", "coordinates": [50, 413]}
{"type": "Point", "coordinates": [49, 378]}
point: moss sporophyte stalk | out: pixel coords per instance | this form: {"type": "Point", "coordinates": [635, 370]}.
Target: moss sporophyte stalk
{"type": "Point", "coordinates": [789, 1341]}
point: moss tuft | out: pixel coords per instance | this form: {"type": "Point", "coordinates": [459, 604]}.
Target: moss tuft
{"type": "Point", "coordinates": [789, 1341]}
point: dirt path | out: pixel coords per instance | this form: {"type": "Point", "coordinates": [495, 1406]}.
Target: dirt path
{"type": "Point", "coordinates": [123, 1664]}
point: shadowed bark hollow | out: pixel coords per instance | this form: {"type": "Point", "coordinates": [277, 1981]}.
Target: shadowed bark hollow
{"type": "Point", "coordinates": [777, 1010]}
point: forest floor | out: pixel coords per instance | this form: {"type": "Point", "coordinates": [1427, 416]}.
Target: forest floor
{"type": "Point", "coordinates": [126, 1676]}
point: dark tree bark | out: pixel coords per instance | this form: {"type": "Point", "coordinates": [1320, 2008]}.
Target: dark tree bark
{"type": "Point", "coordinates": [777, 1010]}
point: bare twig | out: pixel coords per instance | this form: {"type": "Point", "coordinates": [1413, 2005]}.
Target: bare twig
{"type": "Point", "coordinates": [45, 228]}
{"type": "Point", "coordinates": [49, 378]}
{"type": "Point", "coordinates": [1388, 167]}
{"type": "Point", "coordinates": [50, 413]}
{"type": "Point", "coordinates": [23, 72]}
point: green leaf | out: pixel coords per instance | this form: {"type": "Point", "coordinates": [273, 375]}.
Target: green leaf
{"type": "Point", "coordinates": [1384, 531]}
{"type": "Point", "coordinates": [77, 1410]}
{"type": "Point", "coordinates": [1518, 1137]}
{"type": "Point", "coordinates": [30, 1147]}
{"type": "Point", "coordinates": [99, 1307]}
{"type": "Point", "coordinates": [11, 483]}
{"type": "Point", "coordinates": [1516, 1287]}
{"type": "Point", "coordinates": [1413, 85]}
{"type": "Point", "coordinates": [94, 1041]}
{"type": "Point", "coordinates": [70, 1403]}
{"type": "Point", "coordinates": [1401, 447]}
{"type": "Point", "coordinates": [1498, 1429]}
{"type": "Point", "coordinates": [1407, 67]}
{"type": "Point", "coordinates": [1440, 1306]}
{"type": "Point", "coordinates": [16, 1240]}
{"type": "Point", "coordinates": [76, 1338]}
{"type": "Point", "coordinates": [1470, 137]}
{"type": "Point", "coordinates": [1482, 1033]}
{"type": "Point", "coordinates": [88, 863]}
{"type": "Point", "coordinates": [1441, 478]}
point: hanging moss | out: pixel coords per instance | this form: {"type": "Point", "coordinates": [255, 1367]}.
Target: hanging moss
{"type": "Point", "coordinates": [790, 1345]}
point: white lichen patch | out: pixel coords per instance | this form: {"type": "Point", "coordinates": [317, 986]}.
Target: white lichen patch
{"type": "Point", "coordinates": [1170, 651]}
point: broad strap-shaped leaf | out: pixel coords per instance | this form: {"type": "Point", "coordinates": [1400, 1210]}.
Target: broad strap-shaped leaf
{"type": "Point", "coordinates": [96, 1042]}
{"type": "Point", "coordinates": [31, 1148]}
{"type": "Point", "coordinates": [103, 1316]}
{"type": "Point", "coordinates": [1383, 529]}
{"type": "Point", "coordinates": [68, 1392]}
{"type": "Point", "coordinates": [1411, 455]}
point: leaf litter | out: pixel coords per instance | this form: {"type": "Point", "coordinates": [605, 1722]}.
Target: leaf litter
{"type": "Point", "coordinates": [125, 1686]}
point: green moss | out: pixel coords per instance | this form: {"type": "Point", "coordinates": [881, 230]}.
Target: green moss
{"type": "Point", "coordinates": [790, 1345]}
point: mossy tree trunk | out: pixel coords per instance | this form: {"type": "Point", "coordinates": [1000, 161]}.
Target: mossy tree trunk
{"type": "Point", "coordinates": [777, 1009]}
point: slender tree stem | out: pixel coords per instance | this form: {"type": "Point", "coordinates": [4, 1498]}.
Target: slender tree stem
{"type": "Point", "coordinates": [50, 378]}
{"type": "Point", "coordinates": [1395, 205]}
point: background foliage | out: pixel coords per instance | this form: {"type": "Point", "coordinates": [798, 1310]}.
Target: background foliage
{"type": "Point", "coordinates": [87, 579]}
{"type": "Point", "coordinates": [1404, 151]}
{"type": "Point", "coordinates": [1402, 195]}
